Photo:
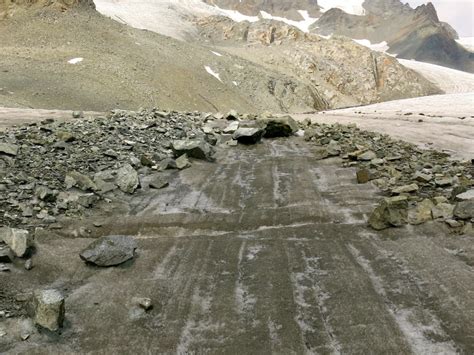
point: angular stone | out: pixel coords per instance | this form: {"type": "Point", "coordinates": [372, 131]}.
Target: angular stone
{"type": "Point", "coordinates": [65, 136]}
{"type": "Point", "coordinates": [232, 115]}
{"type": "Point", "coordinates": [9, 149]}
{"type": "Point", "coordinates": [367, 156]}
{"type": "Point", "coordinates": [143, 302]}
{"type": "Point", "coordinates": [234, 126]}
{"type": "Point", "coordinates": [81, 181]}
{"type": "Point", "coordinates": [158, 181]}
{"type": "Point", "coordinates": [468, 195]}
{"type": "Point", "coordinates": [127, 179]}
{"type": "Point", "coordinates": [443, 182]}
{"type": "Point", "coordinates": [182, 162]}
{"type": "Point", "coordinates": [248, 135]}
{"type": "Point", "coordinates": [391, 212]}
{"type": "Point", "coordinates": [284, 126]}
{"type": "Point", "coordinates": [442, 210]}
{"type": "Point", "coordinates": [194, 148]}
{"type": "Point", "coordinates": [422, 177]}
{"type": "Point", "coordinates": [405, 189]}
{"type": "Point", "coordinates": [50, 309]}
{"type": "Point", "coordinates": [421, 213]}
{"type": "Point", "coordinates": [363, 176]}
{"type": "Point", "coordinates": [110, 251]}
{"type": "Point", "coordinates": [464, 209]}
{"type": "Point", "coordinates": [19, 240]}
{"type": "Point", "coordinates": [46, 194]}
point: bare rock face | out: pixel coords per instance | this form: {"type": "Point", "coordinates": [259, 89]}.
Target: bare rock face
{"type": "Point", "coordinates": [49, 309]}
{"type": "Point", "coordinates": [342, 72]}
{"type": "Point", "coordinates": [410, 33]}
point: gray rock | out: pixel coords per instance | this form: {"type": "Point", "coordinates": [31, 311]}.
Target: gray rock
{"type": "Point", "coordinates": [50, 309]}
{"type": "Point", "coordinates": [77, 114]}
{"type": "Point", "coordinates": [442, 210]}
{"type": "Point", "coordinates": [194, 148]}
{"type": "Point", "coordinates": [158, 181]}
{"type": "Point", "coordinates": [367, 156]}
{"type": "Point", "coordinates": [46, 194]}
{"type": "Point", "coordinates": [464, 209]}
{"type": "Point", "coordinates": [363, 176]}
{"type": "Point", "coordinates": [81, 181]}
{"type": "Point", "coordinates": [391, 212]}
{"type": "Point", "coordinates": [231, 128]}
{"type": "Point", "coordinates": [405, 189]}
{"type": "Point", "coordinates": [143, 302]}
{"type": "Point", "coordinates": [110, 251]}
{"type": "Point", "coordinates": [443, 182]}
{"type": "Point", "coordinates": [421, 213]}
{"type": "Point", "coordinates": [9, 149]}
{"type": "Point", "coordinates": [248, 135]}
{"type": "Point", "coordinates": [232, 115]}
{"type": "Point", "coordinates": [422, 177]}
{"type": "Point", "coordinates": [284, 126]}
{"type": "Point", "coordinates": [127, 179]}
{"type": "Point", "coordinates": [468, 195]}
{"type": "Point", "coordinates": [19, 240]}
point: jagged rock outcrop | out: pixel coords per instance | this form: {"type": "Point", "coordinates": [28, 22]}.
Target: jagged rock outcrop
{"type": "Point", "coordinates": [11, 7]}
{"type": "Point", "coordinates": [410, 33]}
{"type": "Point", "coordinates": [343, 72]}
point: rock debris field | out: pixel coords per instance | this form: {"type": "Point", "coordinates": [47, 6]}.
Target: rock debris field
{"type": "Point", "coordinates": [52, 173]}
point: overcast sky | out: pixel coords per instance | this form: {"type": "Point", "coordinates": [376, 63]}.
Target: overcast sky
{"type": "Point", "coordinates": [458, 13]}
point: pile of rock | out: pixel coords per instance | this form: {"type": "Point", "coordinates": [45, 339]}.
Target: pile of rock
{"type": "Point", "coordinates": [420, 185]}
{"type": "Point", "coordinates": [53, 168]}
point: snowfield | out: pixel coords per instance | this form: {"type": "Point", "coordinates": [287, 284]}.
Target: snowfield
{"type": "Point", "coordinates": [444, 122]}
{"type": "Point", "coordinates": [451, 81]}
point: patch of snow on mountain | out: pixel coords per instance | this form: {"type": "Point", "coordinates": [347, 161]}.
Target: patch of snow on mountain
{"type": "Point", "coordinates": [302, 25]}
{"type": "Point", "coordinates": [213, 73]}
{"type": "Point", "coordinates": [353, 7]}
{"type": "Point", "coordinates": [467, 42]}
{"type": "Point", "coordinates": [449, 80]}
{"type": "Point", "coordinates": [379, 47]}
{"type": "Point", "coordinates": [75, 60]}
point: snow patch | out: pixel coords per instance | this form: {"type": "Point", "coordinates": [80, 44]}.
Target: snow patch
{"type": "Point", "coordinates": [216, 53]}
{"type": "Point", "coordinates": [378, 47]}
{"type": "Point", "coordinates": [353, 7]}
{"type": "Point", "coordinates": [213, 73]}
{"type": "Point", "coordinates": [449, 80]}
{"type": "Point", "coordinates": [75, 60]}
{"type": "Point", "coordinates": [303, 25]}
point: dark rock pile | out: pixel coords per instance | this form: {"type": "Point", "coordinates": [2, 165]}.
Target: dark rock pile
{"type": "Point", "coordinates": [52, 168]}
{"type": "Point", "coordinates": [420, 185]}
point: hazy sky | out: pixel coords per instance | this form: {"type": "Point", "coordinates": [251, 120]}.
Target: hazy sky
{"type": "Point", "coordinates": [459, 14]}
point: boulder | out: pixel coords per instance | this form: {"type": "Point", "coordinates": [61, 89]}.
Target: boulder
{"type": "Point", "coordinates": [127, 179]}
{"type": "Point", "coordinates": [46, 194]}
{"type": "Point", "coordinates": [367, 156]}
{"type": "Point", "coordinates": [158, 181]}
{"type": "Point", "coordinates": [442, 210]}
{"type": "Point", "coordinates": [464, 209]}
{"type": "Point", "coordinates": [143, 302]}
{"type": "Point", "coordinates": [421, 213]}
{"type": "Point", "coordinates": [194, 148]}
{"type": "Point", "coordinates": [182, 162]}
{"type": "Point", "coordinates": [232, 115]}
{"type": "Point", "coordinates": [6, 255]}
{"type": "Point", "coordinates": [81, 181]}
{"type": "Point", "coordinates": [248, 135]}
{"type": "Point", "coordinates": [391, 212]}
{"type": "Point", "coordinates": [9, 149]}
{"type": "Point", "coordinates": [284, 126]}
{"type": "Point", "coordinates": [110, 250]}
{"type": "Point", "coordinates": [467, 195]}
{"type": "Point", "coordinates": [19, 240]}
{"type": "Point", "coordinates": [49, 306]}
{"type": "Point", "coordinates": [231, 128]}
{"type": "Point", "coordinates": [363, 176]}
{"type": "Point", "coordinates": [405, 189]}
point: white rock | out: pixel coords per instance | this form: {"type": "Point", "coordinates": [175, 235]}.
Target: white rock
{"type": "Point", "coordinates": [49, 309]}
{"type": "Point", "coordinates": [19, 240]}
